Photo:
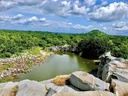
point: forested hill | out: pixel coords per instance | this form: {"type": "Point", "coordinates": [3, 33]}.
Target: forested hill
{"type": "Point", "coordinates": [90, 45]}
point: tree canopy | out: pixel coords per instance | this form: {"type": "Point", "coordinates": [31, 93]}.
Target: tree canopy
{"type": "Point", "coordinates": [90, 45]}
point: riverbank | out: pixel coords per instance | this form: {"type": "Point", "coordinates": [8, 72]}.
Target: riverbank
{"type": "Point", "coordinates": [11, 67]}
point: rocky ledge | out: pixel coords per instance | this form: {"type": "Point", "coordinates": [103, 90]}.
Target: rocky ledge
{"type": "Point", "coordinates": [112, 80]}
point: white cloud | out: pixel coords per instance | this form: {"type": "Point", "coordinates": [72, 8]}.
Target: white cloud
{"type": "Point", "coordinates": [78, 26]}
{"type": "Point", "coordinates": [18, 16]}
{"type": "Point", "coordinates": [120, 26]}
{"type": "Point", "coordinates": [54, 0]}
{"type": "Point", "coordinates": [28, 2]}
{"type": "Point", "coordinates": [63, 8]}
{"type": "Point", "coordinates": [30, 20]}
{"type": "Point", "coordinates": [66, 25]}
{"type": "Point", "coordinates": [6, 5]}
{"type": "Point", "coordinates": [18, 19]}
{"type": "Point", "coordinates": [89, 2]}
{"type": "Point", "coordinates": [115, 11]}
{"type": "Point", "coordinates": [79, 10]}
{"type": "Point", "coordinates": [104, 2]}
{"type": "Point", "coordinates": [9, 18]}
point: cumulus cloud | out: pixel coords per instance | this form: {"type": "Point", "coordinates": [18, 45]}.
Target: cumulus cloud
{"type": "Point", "coordinates": [120, 26]}
{"type": "Point", "coordinates": [79, 10]}
{"type": "Point", "coordinates": [66, 25]}
{"type": "Point", "coordinates": [19, 20]}
{"type": "Point", "coordinates": [115, 11]}
{"type": "Point", "coordinates": [6, 5]}
{"type": "Point", "coordinates": [104, 2]}
{"type": "Point", "coordinates": [18, 16]}
{"type": "Point", "coordinates": [9, 18]}
{"type": "Point", "coordinates": [64, 8]}
{"type": "Point", "coordinates": [28, 2]}
{"type": "Point", "coordinates": [89, 2]}
{"type": "Point", "coordinates": [30, 20]}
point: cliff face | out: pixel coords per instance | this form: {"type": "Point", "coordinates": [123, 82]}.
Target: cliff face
{"type": "Point", "coordinates": [112, 81]}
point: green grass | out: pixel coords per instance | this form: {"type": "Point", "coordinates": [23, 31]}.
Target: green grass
{"type": "Point", "coordinates": [34, 51]}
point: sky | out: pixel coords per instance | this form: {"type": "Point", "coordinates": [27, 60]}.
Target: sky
{"type": "Point", "coordinates": [65, 16]}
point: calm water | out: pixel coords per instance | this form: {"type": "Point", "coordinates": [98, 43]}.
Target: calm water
{"type": "Point", "coordinates": [58, 65]}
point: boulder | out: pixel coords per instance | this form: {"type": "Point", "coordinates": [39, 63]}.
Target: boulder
{"type": "Point", "coordinates": [31, 88]}
{"type": "Point", "coordinates": [56, 89]}
{"type": "Point", "coordinates": [53, 88]}
{"type": "Point", "coordinates": [6, 89]}
{"type": "Point", "coordinates": [105, 59]}
{"type": "Point", "coordinates": [85, 81]}
{"type": "Point", "coordinates": [87, 93]}
{"type": "Point", "coordinates": [120, 88]}
{"type": "Point", "coordinates": [114, 68]}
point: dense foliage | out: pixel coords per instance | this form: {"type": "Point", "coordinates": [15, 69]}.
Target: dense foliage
{"type": "Point", "coordinates": [90, 45]}
{"type": "Point", "coordinates": [12, 41]}
{"type": "Point", "coordinates": [97, 43]}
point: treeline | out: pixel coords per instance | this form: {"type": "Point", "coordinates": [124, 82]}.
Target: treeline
{"type": "Point", "coordinates": [97, 43]}
{"type": "Point", "coordinates": [90, 45]}
{"type": "Point", "coordinates": [12, 41]}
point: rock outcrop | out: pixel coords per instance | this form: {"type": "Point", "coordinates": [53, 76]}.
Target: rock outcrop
{"type": "Point", "coordinates": [120, 88]}
{"type": "Point", "coordinates": [115, 71]}
{"type": "Point", "coordinates": [85, 81]}
{"type": "Point", "coordinates": [112, 67]}
{"type": "Point", "coordinates": [49, 88]}
{"type": "Point", "coordinates": [87, 93]}
{"type": "Point", "coordinates": [68, 48]}
{"type": "Point", "coordinates": [112, 71]}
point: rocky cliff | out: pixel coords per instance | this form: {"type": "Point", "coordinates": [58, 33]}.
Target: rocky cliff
{"type": "Point", "coordinates": [112, 80]}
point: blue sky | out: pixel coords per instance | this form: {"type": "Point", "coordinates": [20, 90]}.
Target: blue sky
{"type": "Point", "coordinates": [69, 16]}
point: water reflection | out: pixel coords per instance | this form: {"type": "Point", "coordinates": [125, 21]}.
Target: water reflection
{"type": "Point", "coordinates": [57, 65]}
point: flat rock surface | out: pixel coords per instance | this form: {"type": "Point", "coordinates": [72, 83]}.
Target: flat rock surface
{"type": "Point", "coordinates": [85, 81]}
{"type": "Point", "coordinates": [6, 88]}
{"type": "Point", "coordinates": [31, 88]}
{"type": "Point", "coordinates": [87, 93]}
{"type": "Point", "coordinates": [120, 88]}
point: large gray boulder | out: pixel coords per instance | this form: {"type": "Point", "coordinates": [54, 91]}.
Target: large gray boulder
{"type": "Point", "coordinates": [120, 88]}
{"type": "Point", "coordinates": [116, 68]}
{"type": "Point", "coordinates": [53, 88]}
{"type": "Point", "coordinates": [85, 81]}
{"type": "Point", "coordinates": [6, 89]}
{"type": "Point", "coordinates": [31, 88]}
{"type": "Point", "coordinates": [112, 67]}
{"type": "Point", "coordinates": [87, 93]}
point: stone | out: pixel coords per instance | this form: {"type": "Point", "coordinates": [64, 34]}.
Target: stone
{"type": "Point", "coordinates": [120, 76]}
{"type": "Point", "coordinates": [114, 67]}
{"type": "Point", "coordinates": [6, 88]}
{"type": "Point", "coordinates": [53, 88]}
{"type": "Point", "coordinates": [120, 88]}
{"type": "Point", "coordinates": [31, 88]}
{"type": "Point", "coordinates": [85, 81]}
{"type": "Point", "coordinates": [105, 59]}
{"type": "Point", "coordinates": [87, 93]}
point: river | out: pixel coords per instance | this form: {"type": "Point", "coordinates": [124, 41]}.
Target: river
{"type": "Point", "coordinates": [59, 64]}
